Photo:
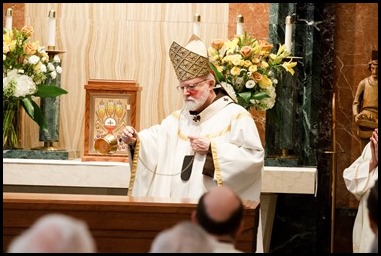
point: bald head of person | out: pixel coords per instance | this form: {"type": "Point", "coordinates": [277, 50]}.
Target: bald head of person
{"type": "Point", "coordinates": [220, 212]}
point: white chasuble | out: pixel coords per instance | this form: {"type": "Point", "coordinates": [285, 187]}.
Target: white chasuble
{"type": "Point", "coordinates": [237, 153]}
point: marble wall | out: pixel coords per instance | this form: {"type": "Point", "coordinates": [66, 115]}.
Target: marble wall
{"type": "Point", "coordinates": [323, 121]}
{"type": "Point", "coordinates": [302, 222]}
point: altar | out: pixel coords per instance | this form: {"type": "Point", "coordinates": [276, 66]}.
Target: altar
{"type": "Point", "coordinates": [112, 178]}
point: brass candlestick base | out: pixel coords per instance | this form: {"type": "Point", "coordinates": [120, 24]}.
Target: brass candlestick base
{"type": "Point", "coordinates": [48, 146]}
{"type": "Point", "coordinates": [52, 51]}
{"type": "Point", "coordinates": [285, 153]}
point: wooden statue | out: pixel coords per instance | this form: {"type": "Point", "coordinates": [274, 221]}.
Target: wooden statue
{"type": "Point", "coordinates": [365, 104]}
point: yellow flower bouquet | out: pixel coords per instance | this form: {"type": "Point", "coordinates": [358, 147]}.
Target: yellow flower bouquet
{"type": "Point", "coordinates": [248, 69]}
{"type": "Point", "coordinates": [27, 69]}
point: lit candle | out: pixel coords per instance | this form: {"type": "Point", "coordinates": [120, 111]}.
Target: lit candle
{"type": "Point", "coordinates": [288, 33]}
{"type": "Point", "coordinates": [196, 24]}
{"type": "Point", "coordinates": [8, 19]}
{"type": "Point", "coordinates": [52, 29]}
{"type": "Point", "coordinates": [239, 25]}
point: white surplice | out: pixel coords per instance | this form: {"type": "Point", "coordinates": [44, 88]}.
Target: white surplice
{"type": "Point", "coordinates": [359, 181]}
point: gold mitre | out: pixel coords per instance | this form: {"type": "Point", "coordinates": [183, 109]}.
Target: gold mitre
{"type": "Point", "coordinates": [190, 61]}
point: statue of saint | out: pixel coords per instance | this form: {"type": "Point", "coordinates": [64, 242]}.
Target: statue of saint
{"type": "Point", "coordinates": [365, 103]}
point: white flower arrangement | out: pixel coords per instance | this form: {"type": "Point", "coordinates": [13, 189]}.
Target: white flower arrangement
{"type": "Point", "coordinates": [247, 67]}
{"type": "Point", "coordinates": [27, 70]}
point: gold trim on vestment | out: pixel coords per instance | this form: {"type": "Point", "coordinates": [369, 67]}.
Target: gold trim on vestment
{"type": "Point", "coordinates": [134, 167]}
{"type": "Point", "coordinates": [217, 169]}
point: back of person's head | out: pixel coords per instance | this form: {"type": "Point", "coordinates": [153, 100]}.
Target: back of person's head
{"type": "Point", "coordinates": [185, 237]}
{"type": "Point", "coordinates": [220, 212]}
{"type": "Point", "coordinates": [55, 233]}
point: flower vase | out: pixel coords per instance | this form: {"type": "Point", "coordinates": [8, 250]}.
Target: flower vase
{"type": "Point", "coordinates": [10, 124]}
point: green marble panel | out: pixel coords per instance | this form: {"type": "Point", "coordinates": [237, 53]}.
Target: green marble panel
{"type": "Point", "coordinates": [39, 154]}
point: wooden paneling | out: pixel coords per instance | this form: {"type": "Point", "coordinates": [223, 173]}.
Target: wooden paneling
{"type": "Point", "coordinates": [118, 223]}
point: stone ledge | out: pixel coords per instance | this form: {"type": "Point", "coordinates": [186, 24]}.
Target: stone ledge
{"type": "Point", "coordinates": [275, 179]}
{"type": "Point", "coordinates": [40, 154]}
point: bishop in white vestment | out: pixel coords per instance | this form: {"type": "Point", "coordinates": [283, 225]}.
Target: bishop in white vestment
{"type": "Point", "coordinates": [210, 142]}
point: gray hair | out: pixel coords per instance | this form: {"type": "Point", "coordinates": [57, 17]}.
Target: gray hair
{"type": "Point", "coordinates": [185, 237]}
{"type": "Point", "coordinates": [55, 233]}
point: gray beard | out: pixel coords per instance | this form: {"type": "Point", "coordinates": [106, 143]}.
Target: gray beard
{"type": "Point", "coordinates": [194, 105]}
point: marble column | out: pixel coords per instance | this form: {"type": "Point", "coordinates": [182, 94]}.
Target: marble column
{"type": "Point", "coordinates": [50, 107]}
{"type": "Point", "coordinates": [302, 222]}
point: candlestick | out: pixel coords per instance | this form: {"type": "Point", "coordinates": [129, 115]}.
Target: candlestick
{"type": "Point", "coordinates": [8, 19]}
{"type": "Point", "coordinates": [196, 24]}
{"type": "Point", "coordinates": [52, 29]}
{"type": "Point", "coordinates": [239, 25]}
{"type": "Point", "coordinates": [288, 33]}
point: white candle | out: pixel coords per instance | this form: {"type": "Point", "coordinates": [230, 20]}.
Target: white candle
{"type": "Point", "coordinates": [8, 19]}
{"type": "Point", "coordinates": [196, 24]}
{"type": "Point", "coordinates": [52, 29]}
{"type": "Point", "coordinates": [288, 33]}
{"type": "Point", "coordinates": [239, 25]}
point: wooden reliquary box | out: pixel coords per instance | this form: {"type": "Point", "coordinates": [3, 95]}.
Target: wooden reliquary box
{"type": "Point", "coordinates": [110, 106]}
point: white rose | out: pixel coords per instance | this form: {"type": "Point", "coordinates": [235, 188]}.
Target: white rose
{"type": "Point", "coordinates": [53, 74]}
{"type": "Point", "coordinates": [56, 59]}
{"type": "Point", "coordinates": [33, 59]}
{"type": "Point", "coordinates": [43, 68]}
{"type": "Point", "coordinates": [51, 67]}
{"type": "Point", "coordinates": [250, 84]}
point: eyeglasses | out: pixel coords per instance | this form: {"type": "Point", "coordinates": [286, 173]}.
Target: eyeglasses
{"type": "Point", "coordinates": [190, 87]}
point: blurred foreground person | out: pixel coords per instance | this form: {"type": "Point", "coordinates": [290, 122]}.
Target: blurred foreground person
{"type": "Point", "coordinates": [55, 233]}
{"type": "Point", "coordinates": [220, 213]}
{"type": "Point", "coordinates": [184, 237]}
